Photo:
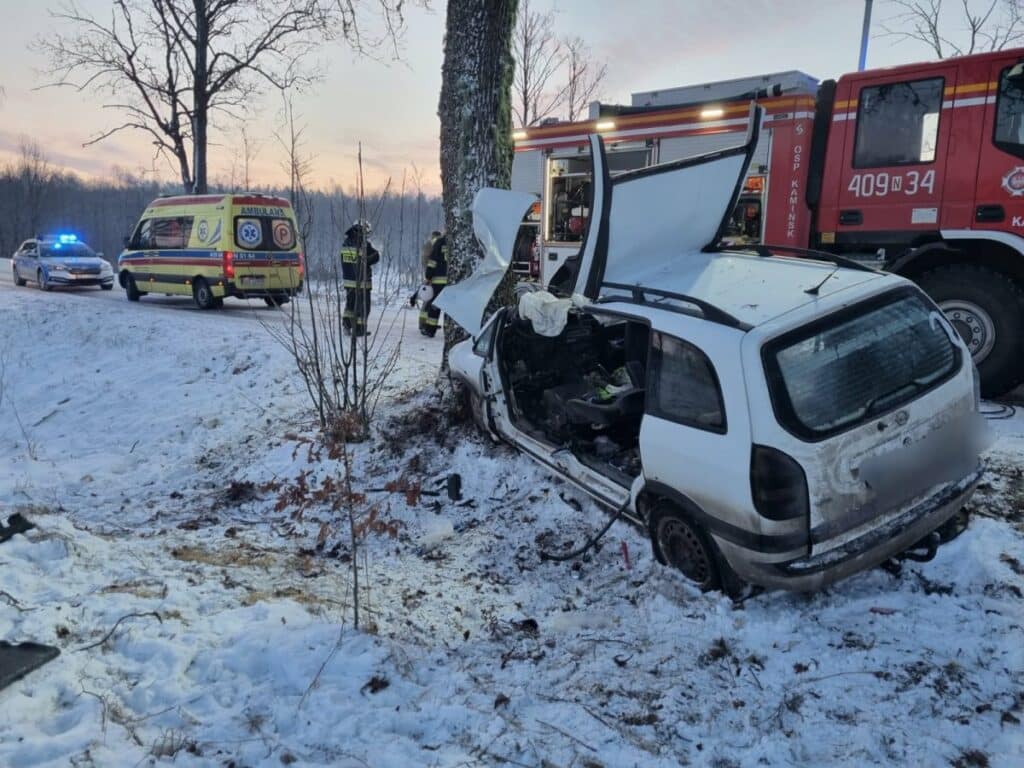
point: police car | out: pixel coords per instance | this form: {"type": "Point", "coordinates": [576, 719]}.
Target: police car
{"type": "Point", "coordinates": [774, 416]}
{"type": "Point", "coordinates": [60, 260]}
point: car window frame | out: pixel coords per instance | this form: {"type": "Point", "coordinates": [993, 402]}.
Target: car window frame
{"type": "Point", "coordinates": [782, 408]}
{"type": "Point", "coordinates": [650, 408]}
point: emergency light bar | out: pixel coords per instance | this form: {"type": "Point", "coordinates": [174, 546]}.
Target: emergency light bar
{"type": "Point", "coordinates": [67, 238]}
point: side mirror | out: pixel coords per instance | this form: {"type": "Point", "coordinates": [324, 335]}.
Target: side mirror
{"type": "Point", "coordinates": [127, 242]}
{"type": "Point", "coordinates": [99, 255]}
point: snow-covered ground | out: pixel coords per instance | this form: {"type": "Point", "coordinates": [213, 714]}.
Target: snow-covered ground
{"type": "Point", "coordinates": [148, 444]}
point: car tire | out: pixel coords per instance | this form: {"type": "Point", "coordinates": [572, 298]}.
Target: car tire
{"type": "Point", "coordinates": [17, 280]}
{"type": "Point", "coordinates": [131, 290]}
{"type": "Point", "coordinates": [107, 286]}
{"type": "Point", "coordinates": [41, 281]}
{"type": "Point", "coordinates": [683, 544]}
{"type": "Point", "coordinates": [203, 296]}
{"type": "Point", "coordinates": [987, 309]}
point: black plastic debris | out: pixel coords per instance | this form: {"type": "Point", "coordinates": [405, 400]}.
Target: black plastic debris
{"type": "Point", "coordinates": [16, 661]}
{"type": "Point", "coordinates": [16, 524]}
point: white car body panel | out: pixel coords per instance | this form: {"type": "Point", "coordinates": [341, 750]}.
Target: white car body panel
{"type": "Point", "coordinates": [497, 215]}
{"type": "Point", "coordinates": [659, 221]}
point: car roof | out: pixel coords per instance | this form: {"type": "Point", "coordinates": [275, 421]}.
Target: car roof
{"type": "Point", "coordinates": [752, 289]}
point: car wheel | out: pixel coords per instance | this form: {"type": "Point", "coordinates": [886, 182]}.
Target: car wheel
{"type": "Point", "coordinates": [271, 301]}
{"type": "Point", "coordinates": [41, 281]}
{"type": "Point", "coordinates": [684, 545]}
{"type": "Point", "coordinates": [17, 278]}
{"type": "Point", "coordinates": [107, 286]}
{"type": "Point", "coordinates": [202, 293]}
{"type": "Point", "coordinates": [987, 310]}
{"type": "Point", "coordinates": [131, 290]}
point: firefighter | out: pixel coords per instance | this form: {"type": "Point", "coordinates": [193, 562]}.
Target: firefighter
{"type": "Point", "coordinates": [436, 276]}
{"type": "Point", "coordinates": [357, 259]}
{"type": "Point", "coordinates": [425, 250]}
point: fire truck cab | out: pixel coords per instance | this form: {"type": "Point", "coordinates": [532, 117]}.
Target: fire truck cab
{"type": "Point", "coordinates": [918, 169]}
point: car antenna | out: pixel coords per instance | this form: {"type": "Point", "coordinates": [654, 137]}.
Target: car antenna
{"type": "Point", "coordinates": [813, 291]}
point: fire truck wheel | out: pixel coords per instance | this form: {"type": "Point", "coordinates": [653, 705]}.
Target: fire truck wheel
{"type": "Point", "coordinates": [987, 310]}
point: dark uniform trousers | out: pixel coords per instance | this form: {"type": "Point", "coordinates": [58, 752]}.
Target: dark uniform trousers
{"type": "Point", "coordinates": [358, 287]}
{"type": "Point", "coordinates": [437, 276]}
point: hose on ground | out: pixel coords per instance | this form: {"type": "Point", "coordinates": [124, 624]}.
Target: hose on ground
{"type": "Point", "coordinates": [561, 557]}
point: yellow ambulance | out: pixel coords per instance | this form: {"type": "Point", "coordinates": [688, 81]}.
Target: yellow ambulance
{"type": "Point", "coordinates": [212, 246]}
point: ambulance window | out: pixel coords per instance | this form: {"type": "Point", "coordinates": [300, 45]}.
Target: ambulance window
{"type": "Point", "coordinates": [898, 123]}
{"type": "Point", "coordinates": [1009, 133]}
{"type": "Point", "coordinates": [140, 239]}
{"type": "Point", "coordinates": [170, 233]}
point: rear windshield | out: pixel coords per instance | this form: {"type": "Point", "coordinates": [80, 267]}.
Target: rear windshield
{"type": "Point", "coordinates": [264, 233]}
{"type": "Point", "coordinates": [846, 369]}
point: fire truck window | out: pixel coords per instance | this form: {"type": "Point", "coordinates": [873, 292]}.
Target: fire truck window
{"type": "Point", "coordinates": [1009, 134]}
{"type": "Point", "coordinates": [898, 123]}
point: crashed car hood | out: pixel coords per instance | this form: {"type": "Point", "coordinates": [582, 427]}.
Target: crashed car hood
{"type": "Point", "coordinates": [497, 216]}
{"type": "Point", "coordinates": [644, 220]}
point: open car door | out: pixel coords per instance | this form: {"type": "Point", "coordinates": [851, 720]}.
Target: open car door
{"type": "Point", "coordinates": [642, 219]}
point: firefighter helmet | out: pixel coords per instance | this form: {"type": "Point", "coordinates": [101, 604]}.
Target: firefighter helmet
{"type": "Point", "coordinates": [364, 225]}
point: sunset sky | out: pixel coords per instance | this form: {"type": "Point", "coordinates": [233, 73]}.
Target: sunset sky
{"type": "Point", "coordinates": [392, 106]}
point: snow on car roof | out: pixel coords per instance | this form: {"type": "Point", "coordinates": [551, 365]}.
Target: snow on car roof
{"type": "Point", "coordinates": [753, 289]}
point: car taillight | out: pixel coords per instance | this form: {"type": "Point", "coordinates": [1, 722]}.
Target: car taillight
{"type": "Point", "coordinates": [778, 485]}
{"type": "Point", "coordinates": [302, 264]}
{"type": "Point", "coordinates": [229, 264]}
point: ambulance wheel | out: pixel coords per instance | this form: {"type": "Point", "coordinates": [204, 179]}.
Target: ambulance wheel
{"type": "Point", "coordinates": [987, 310]}
{"type": "Point", "coordinates": [131, 290]}
{"type": "Point", "coordinates": [202, 293]}
{"type": "Point", "coordinates": [17, 278]}
{"type": "Point", "coordinates": [41, 281]}
{"type": "Point", "coordinates": [680, 542]}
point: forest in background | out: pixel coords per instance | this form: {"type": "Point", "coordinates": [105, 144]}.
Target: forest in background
{"type": "Point", "coordinates": [37, 198]}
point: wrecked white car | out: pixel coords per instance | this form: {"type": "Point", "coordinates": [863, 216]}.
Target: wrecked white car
{"type": "Point", "coordinates": [787, 418]}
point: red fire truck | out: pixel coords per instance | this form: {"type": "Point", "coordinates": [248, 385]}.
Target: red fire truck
{"type": "Point", "coordinates": [918, 168]}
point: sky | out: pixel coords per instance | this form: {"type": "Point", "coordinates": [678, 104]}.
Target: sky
{"type": "Point", "coordinates": [391, 106]}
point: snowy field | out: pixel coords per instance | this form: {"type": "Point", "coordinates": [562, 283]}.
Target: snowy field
{"type": "Point", "coordinates": [154, 445]}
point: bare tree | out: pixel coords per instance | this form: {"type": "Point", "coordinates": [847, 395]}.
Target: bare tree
{"type": "Point", "coordinates": [957, 29]}
{"type": "Point", "coordinates": [539, 57]}
{"type": "Point", "coordinates": [343, 374]}
{"type": "Point", "coordinates": [169, 65]}
{"type": "Point", "coordinates": [34, 175]}
{"type": "Point", "coordinates": [584, 77]}
{"type": "Point", "coordinates": [476, 123]}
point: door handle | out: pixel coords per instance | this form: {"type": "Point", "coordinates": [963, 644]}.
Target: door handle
{"type": "Point", "coordinates": [851, 217]}
{"type": "Point", "coordinates": [552, 257]}
{"type": "Point", "coordinates": [990, 213]}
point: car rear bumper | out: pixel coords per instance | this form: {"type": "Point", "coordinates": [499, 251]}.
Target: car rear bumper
{"type": "Point", "coordinates": [238, 291]}
{"type": "Point", "coordinates": [878, 544]}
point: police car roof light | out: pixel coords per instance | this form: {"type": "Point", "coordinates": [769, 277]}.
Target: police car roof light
{"type": "Point", "coordinates": [67, 238]}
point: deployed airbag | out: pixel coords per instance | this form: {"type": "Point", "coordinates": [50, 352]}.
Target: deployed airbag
{"type": "Point", "coordinates": [546, 312]}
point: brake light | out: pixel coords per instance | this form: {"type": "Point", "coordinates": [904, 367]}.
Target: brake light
{"type": "Point", "coordinates": [229, 264]}
{"type": "Point", "coordinates": [302, 264]}
{"type": "Point", "coordinates": [778, 485]}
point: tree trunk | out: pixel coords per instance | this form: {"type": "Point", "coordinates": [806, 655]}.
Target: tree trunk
{"type": "Point", "coordinates": [476, 124]}
{"type": "Point", "coordinates": [200, 100]}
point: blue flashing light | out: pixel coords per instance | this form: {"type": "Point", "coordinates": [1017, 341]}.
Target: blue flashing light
{"type": "Point", "coordinates": [56, 246]}
{"type": "Point", "coordinates": [67, 238]}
